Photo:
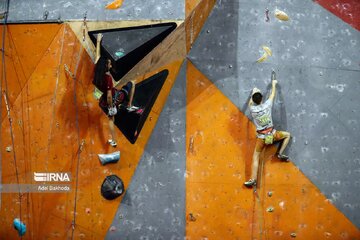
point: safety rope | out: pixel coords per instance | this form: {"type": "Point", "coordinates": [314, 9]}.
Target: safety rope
{"type": "Point", "coordinates": [80, 144]}
{"type": "Point", "coordinates": [259, 202]}
{"type": "Point", "coordinates": [54, 100]}
{"type": "Point", "coordinates": [1, 81]}
{"type": "Point", "coordinates": [4, 92]}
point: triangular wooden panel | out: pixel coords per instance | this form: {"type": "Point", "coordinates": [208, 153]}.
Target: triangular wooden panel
{"type": "Point", "coordinates": [220, 141]}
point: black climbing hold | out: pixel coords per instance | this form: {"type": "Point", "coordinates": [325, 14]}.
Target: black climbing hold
{"type": "Point", "coordinates": [112, 187]}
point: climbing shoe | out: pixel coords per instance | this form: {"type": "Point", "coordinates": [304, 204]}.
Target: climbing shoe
{"type": "Point", "coordinates": [283, 157]}
{"type": "Point", "coordinates": [250, 183]}
{"type": "Point", "coordinates": [132, 108]}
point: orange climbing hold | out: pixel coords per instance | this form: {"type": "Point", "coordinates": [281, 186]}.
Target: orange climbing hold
{"type": "Point", "coordinates": [115, 4]}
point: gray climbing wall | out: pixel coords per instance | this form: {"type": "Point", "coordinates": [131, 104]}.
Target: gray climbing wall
{"type": "Point", "coordinates": [154, 204]}
{"type": "Point", "coordinates": [34, 10]}
{"type": "Point", "coordinates": [316, 58]}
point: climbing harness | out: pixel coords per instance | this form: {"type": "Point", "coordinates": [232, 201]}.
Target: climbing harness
{"type": "Point", "coordinates": [269, 136]}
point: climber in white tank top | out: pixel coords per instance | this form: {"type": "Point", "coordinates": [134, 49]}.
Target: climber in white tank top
{"type": "Point", "coordinates": [265, 131]}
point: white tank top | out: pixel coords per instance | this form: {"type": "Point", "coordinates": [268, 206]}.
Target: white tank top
{"type": "Point", "coordinates": [262, 115]}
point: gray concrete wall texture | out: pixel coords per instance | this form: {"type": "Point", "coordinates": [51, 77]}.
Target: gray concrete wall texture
{"type": "Point", "coordinates": [316, 58]}
{"type": "Point", "coordinates": [34, 10]}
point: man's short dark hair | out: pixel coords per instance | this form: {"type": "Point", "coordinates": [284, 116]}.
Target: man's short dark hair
{"type": "Point", "coordinates": [257, 97]}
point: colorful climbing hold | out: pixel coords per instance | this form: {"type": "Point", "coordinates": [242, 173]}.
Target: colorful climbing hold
{"type": "Point", "coordinates": [270, 209]}
{"type": "Point", "coordinates": [109, 157]}
{"type": "Point", "coordinates": [262, 58]}
{"type": "Point", "coordinates": [114, 5]}
{"type": "Point", "coordinates": [267, 50]}
{"type": "Point", "coordinates": [267, 15]}
{"type": "Point", "coordinates": [20, 227]}
{"type": "Point", "coordinates": [266, 54]}
{"type": "Point", "coordinates": [281, 15]}
{"type": "Point", "coordinates": [119, 53]}
{"type": "Point", "coordinates": [191, 217]}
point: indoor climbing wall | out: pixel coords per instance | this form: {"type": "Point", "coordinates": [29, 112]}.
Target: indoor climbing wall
{"type": "Point", "coordinates": [314, 54]}
{"type": "Point", "coordinates": [55, 128]}
{"type": "Point", "coordinates": [184, 169]}
{"type": "Point", "coordinates": [95, 10]}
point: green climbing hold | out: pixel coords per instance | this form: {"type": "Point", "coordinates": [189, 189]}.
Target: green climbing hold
{"type": "Point", "coordinates": [119, 53]}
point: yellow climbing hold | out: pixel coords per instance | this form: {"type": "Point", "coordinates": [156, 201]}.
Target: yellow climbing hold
{"type": "Point", "coordinates": [281, 15]}
{"type": "Point", "coordinates": [267, 50]}
{"type": "Point", "coordinates": [266, 54]}
{"type": "Point", "coordinates": [115, 4]}
{"type": "Point", "coordinates": [262, 58]}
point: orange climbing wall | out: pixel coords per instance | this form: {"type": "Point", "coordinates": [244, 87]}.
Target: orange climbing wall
{"type": "Point", "coordinates": [52, 116]}
{"type": "Point", "coordinates": [217, 140]}
{"type": "Point", "coordinates": [220, 140]}
{"type": "Point", "coordinates": [25, 45]}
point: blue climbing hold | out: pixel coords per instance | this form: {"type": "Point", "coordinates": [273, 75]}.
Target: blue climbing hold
{"type": "Point", "coordinates": [19, 226]}
{"type": "Point", "coordinates": [109, 158]}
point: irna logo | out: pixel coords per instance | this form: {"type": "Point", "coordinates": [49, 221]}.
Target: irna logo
{"type": "Point", "coordinates": [52, 177]}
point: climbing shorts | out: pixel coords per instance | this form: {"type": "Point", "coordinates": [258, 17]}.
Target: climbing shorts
{"type": "Point", "coordinates": [260, 142]}
{"type": "Point", "coordinates": [127, 88]}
